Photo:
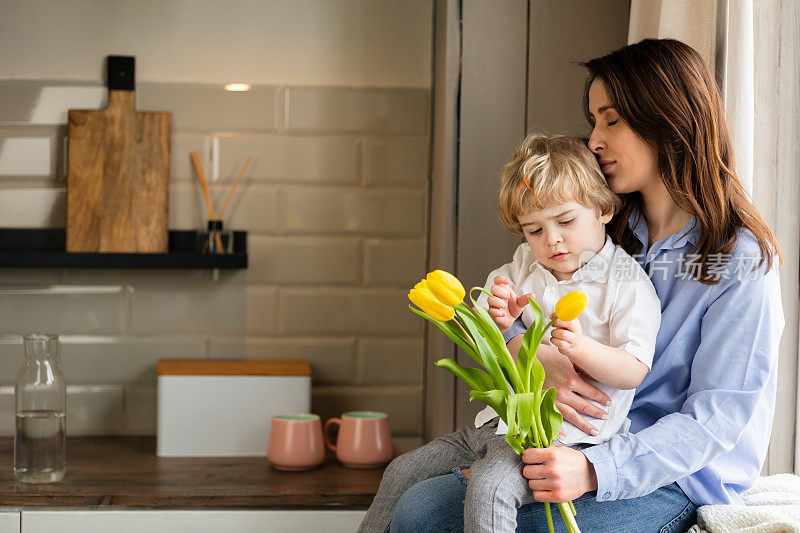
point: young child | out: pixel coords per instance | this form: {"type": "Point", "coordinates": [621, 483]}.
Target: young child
{"type": "Point", "coordinates": [553, 194]}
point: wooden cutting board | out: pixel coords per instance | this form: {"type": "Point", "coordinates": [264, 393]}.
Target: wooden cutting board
{"type": "Point", "coordinates": [118, 172]}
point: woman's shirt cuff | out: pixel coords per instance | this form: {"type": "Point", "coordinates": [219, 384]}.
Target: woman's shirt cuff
{"type": "Point", "coordinates": [606, 471]}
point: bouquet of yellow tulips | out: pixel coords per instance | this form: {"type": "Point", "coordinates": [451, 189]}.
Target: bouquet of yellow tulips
{"type": "Point", "coordinates": [512, 389]}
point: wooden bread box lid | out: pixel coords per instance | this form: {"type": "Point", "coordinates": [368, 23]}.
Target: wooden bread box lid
{"type": "Point", "coordinates": [232, 367]}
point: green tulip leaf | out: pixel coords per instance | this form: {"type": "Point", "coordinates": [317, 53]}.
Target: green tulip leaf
{"type": "Point", "coordinates": [485, 351]}
{"type": "Point", "coordinates": [473, 377]}
{"type": "Point", "coordinates": [495, 340]}
{"type": "Point", "coordinates": [538, 314]}
{"type": "Point", "coordinates": [533, 372]}
{"type": "Point", "coordinates": [522, 422]}
{"type": "Point", "coordinates": [455, 334]}
{"type": "Point", "coordinates": [516, 442]}
{"type": "Point", "coordinates": [496, 399]}
{"type": "Point", "coordinates": [491, 328]}
{"type": "Point", "coordinates": [550, 415]}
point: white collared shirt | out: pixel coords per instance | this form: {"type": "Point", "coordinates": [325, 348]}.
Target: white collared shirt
{"type": "Point", "coordinates": [623, 312]}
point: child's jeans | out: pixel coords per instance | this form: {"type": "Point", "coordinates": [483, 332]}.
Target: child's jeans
{"type": "Point", "coordinates": [496, 487]}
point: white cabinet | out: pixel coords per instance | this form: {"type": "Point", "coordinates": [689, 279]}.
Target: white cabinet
{"type": "Point", "coordinates": [9, 522]}
{"type": "Point", "coordinates": [186, 521]}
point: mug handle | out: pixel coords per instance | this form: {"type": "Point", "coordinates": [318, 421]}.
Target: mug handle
{"type": "Point", "coordinates": [326, 433]}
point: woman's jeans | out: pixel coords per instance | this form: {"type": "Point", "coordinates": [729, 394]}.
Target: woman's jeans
{"type": "Point", "coordinates": [437, 505]}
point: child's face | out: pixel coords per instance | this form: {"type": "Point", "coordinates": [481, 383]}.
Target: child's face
{"type": "Point", "coordinates": [564, 236]}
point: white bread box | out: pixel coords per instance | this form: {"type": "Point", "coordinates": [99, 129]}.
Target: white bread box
{"type": "Point", "coordinates": [223, 408]}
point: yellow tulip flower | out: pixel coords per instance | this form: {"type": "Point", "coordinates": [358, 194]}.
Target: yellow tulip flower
{"type": "Point", "coordinates": [445, 287]}
{"type": "Point", "coordinates": [423, 298]}
{"type": "Point", "coordinates": [571, 305]}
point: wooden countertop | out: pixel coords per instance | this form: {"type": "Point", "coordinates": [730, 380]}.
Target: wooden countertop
{"type": "Point", "coordinates": [127, 472]}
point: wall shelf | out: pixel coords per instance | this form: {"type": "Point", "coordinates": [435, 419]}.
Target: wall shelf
{"type": "Point", "coordinates": [45, 248]}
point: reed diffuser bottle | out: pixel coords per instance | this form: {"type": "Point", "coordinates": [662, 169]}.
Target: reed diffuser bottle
{"type": "Point", "coordinates": [41, 399]}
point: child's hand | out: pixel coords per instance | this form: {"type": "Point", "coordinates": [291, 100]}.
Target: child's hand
{"type": "Point", "coordinates": [567, 336]}
{"type": "Point", "coordinates": [504, 305]}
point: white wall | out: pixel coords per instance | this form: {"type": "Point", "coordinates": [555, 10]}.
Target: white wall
{"type": "Point", "coordinates": [355, 43]}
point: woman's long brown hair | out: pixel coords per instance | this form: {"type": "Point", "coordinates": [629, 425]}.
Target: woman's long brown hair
{"type": "Point", "coordinates": [665, 92]}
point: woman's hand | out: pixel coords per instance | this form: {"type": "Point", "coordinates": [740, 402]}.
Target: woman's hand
{"type": "Point", "coordinates": [572, 390]}
{"type": "Point", "coordinates": [558, 473]}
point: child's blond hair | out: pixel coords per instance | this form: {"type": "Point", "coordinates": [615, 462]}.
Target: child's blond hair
{"type": "Point", "coordinates": [552, 169]}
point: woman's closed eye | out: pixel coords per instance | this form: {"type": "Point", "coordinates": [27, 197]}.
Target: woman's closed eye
{"type": "Point", "coordinates": [611, 123]}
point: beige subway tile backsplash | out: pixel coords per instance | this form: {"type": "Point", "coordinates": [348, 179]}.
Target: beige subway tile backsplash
{"type": "Point", "coordinates": [12, 355]}
{"type": "Point", "coordinates": [46, 102]}
{"type": "Point", "coordinates": [391, 361]}
{"type": "Point", "coordinates": [397, 162]}
{"type": "Point", "coordinates": [394, 213]}
{"type": "Point", "coordinates": [94, 410]}
{"type": "Point", "coordinates": [30, 276]}
{"type": "Point", "coordinates": [304, 260]}
{"type": "Point", "coordinates": [134, 277]}
{"type": "Point", "coordinates": [187, 210]}
{"type": "Point", "coordinates": [347, 110]}
{"type": "Point", "coordinates": [290, 159]}
{"type": "Point", "coordinates": [262, 311]}
{"type": "Point", "coordinates": [67, 309]}
{"type": "Point", "coordinates": [97, 360]}
{"type": "Point", "coordinates": [181, 145]}
{"type": "Point", "coordinates": [398, 262]}
{"type": "Point", "coordinates": [332, 359]}
{"type": "Point", "coordinates": [33, 207]}
{"type": "Point", "coordinates": [139, 410]}
{"type": "Point", "coordinates": [253, 207]}
{"type": "Point", "coordinates": [29, 152]}
{"type": "Point", "coordinates": [403, 404]}
{"type": "Point", "coordinates": [347, 311]}
{"type": "Point", "coordinates": [189, 308]}
{"type": "Point", "coordinates": [335, 206]}
{"type": "Point", "coordinates": [210, 107]}
{"type": "Point", "coordinates": [122, 360]}
{"type": "Point", "coordinates": [7, 411]}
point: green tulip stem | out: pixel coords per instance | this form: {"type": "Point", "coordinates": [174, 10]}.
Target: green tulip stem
{"type": "Point", "coordinates": [568, 517]}
{"type": "Point", "coordinates": [549, 517]}
{"type": "Point", "coordinates": [572, 508]}
{"type": "Point", "coordinates": [564, 514]}
{"type": "Point", "coordinates": [465, 334]}
{"type": "Point", "coordinates": [538, 434]}
{"type": "Point", "coordinates": [538, 419]}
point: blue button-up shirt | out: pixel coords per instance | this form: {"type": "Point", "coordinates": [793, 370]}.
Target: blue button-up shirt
{"type": "Point", "coordinates": [703, 414]}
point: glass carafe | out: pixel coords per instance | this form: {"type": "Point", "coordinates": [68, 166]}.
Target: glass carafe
{"type": "Point", "coordinates": [41, 398]}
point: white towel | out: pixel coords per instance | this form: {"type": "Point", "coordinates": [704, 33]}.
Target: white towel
{"type": "Point", "coordinates": [771, 505]}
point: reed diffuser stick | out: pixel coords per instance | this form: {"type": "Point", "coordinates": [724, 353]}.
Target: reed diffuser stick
{"type": "Point", "coordinates": [230, 194]}
{"type": "Point", "coordinates": [203, 185]}
{"type": "Point", "coordinates": [201, 177]}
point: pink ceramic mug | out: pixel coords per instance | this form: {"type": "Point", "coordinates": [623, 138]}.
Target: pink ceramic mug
{"type": "Point", "coordinates": [295, 442]}
{"type": "Point", "coordinates": [363, 441]}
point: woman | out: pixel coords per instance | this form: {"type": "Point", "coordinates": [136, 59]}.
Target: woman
{"type": "Point", "coordinates": [701, 419]}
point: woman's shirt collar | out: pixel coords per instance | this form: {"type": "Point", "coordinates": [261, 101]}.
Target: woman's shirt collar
{"type": "Point", "coordinates": [689, 234]}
